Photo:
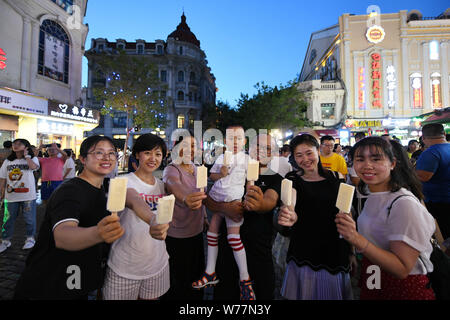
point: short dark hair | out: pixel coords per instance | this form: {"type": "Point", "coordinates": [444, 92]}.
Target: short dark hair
{"type": "Point", "coordinates": [326, 138]}
{"type": "Point", "coordinates": [433, 130]}
{"type": "Point", "coordinates": [147, 142]}
{"type": "Point", "coordinates": [92, 141]}
{"type": "Point", "coordinates": [13, 155]}
{"type": "Point", "coordinates": [68, 151]}
{"type": "Point", "coordinates": [285, 148]}
{"type": "Point", "coordinates": [360, 135]}
{"type": "Point", "coordinates": [7, 144]}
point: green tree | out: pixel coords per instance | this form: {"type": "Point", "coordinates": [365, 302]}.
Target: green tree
{"type": "Point", "coordinates": [282, 108]}
{"type": "Point", "coordinates": [132, 86]}
{"type": "Point", "coordinates": [219, 116]}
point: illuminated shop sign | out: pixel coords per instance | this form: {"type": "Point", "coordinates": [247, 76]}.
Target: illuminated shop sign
{"type": "Point", "coordinates": [54, 127]}
{"type": "Point", "coordinates": [22, 102]}
{"type": "Point", "coordinates": [2, 59]}
{"type": "Point", "coordinates": [376, 78]}
{"type": "Point", "coordinates": [351, 123]}
{"type": "Point", "coordinates": [70, 112]}
{"type": "Point", "coordinates": [396, 122]}
{"type": "Point", "coordinates": [361, 89]}
{"type": "Point", "coordinates": [375, 34]}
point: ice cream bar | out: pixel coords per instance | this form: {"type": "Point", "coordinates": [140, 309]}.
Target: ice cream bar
{"type": "Point", "coordinates": [286, 192]}
{"type": "Point", "coordinates": [165, 209]}
{"type": "Point", "coordinates": [227, 158]}
{"type": "Point", "coordinates": [345, 197]}
{"type": "Point", "coordinates": [117, 195]}
{"type": "Point", "coordinates": [252, 170]}
{"type": "Point", "coordinates": [202, 177]}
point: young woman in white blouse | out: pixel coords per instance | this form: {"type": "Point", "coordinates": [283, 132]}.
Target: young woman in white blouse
{"type": "Point", "coordinates": [394, 228]}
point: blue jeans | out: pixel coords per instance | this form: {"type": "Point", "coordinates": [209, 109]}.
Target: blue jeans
{"type": "Point", "coordinates": [10, 216]}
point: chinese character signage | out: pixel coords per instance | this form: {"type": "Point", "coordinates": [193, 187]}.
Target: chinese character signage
{"type": "Point", "coordinates": [361, 89]}
{"type": "Point", "coordinates": [2, 59]}
{"type": "Point", "coordinates": [54, 54]}
{"type": "Point", "coordinates": [70, 112]}
{"type": "Point", "coordinates": [391, 85]}
{"type": "Point", "coordinates": [22, 102]}
{"type": "Point", "coordinates": [376, 78]}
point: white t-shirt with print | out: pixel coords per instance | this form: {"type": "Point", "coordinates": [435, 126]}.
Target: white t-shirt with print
{"type": "Point", "coordinates": [69, 164]}
{"type": "Point", "coordinates": [136, 255]}
{"type": "Point", "coordinates": [409, 221]}
{"type": "Point", "coordinates": [20, 183]}
{"type": "Point", "coordinates": [232, 186]}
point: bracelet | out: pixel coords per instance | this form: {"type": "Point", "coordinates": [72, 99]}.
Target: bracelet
{"type": "Point", "coordinates": [28, 156]}
{"type": "Point", "coordinates": [362, 251]}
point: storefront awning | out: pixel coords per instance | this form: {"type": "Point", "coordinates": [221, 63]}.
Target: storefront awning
{"type": "Point", "coordinates": [327, 132]}
{"type": "Point", "coordinates": [438, 116]}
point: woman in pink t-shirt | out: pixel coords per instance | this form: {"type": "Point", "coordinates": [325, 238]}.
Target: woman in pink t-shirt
{"type": "Point", "coordinates": [52, 170]}
{"type": "Point", "coordinates": [184, 241]}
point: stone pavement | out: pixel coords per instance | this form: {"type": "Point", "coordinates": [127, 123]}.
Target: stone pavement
{"type": "Point", "coordinates": [12, 261]}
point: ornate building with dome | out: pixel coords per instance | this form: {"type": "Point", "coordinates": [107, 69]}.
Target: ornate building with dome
{"type": "Point", "coordinates": [182, 65]}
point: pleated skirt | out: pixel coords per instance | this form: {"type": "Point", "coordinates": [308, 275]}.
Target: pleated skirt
{"type": "Point", "coordinates": [303, 283]}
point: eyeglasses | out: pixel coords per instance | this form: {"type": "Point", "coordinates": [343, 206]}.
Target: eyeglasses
{"type": "Point", "coordinates": [328, 145]}
{"type": "Point", "coordinates": [99, 155]}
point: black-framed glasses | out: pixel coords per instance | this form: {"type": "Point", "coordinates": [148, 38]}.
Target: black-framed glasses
{"type": "Point", "coordinates": [99, 155]}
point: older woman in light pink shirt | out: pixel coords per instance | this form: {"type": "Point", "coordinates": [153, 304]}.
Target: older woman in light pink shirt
{"type": "Point", "coordinates": [184, 242]}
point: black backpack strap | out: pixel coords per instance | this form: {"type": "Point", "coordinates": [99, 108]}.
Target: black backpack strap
{"type": "Point", "coordinates": [390, 207]}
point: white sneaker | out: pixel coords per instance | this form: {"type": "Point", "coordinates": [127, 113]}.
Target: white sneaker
{"type": "Point", "coordinates": [5, 244]}
{"type": "Point", "coordinates": [29, 243]}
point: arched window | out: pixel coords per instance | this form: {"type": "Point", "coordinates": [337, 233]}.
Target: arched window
{"type": "Point", "coordinates": [180, 96]}
{"type": "Point", "coordinates": [180, 76]}
{"type": "Point", "coordinates": [180, 121]}
{"type": "Point", "coordinates": [159, 49]}
{"type": "Point", "coordinates": [434, 50]}
{"type": "Point", "coordinates": [436, 101]}
{"type": "Point", "coordinates": [181, 51]}
{"type": "Point", "coordinates": [191, 119]}
{"type": "Point", "coordinates": [54, 50]}
{"type": "Point", "coordinates": [192, 76]}
{"type": "Point", "coordinates": [416, 85]}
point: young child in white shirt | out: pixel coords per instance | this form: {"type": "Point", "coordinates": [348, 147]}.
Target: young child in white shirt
{"type": "Point", "coordinates": [229, 186]}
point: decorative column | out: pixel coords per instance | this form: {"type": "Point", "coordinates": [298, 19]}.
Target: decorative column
{"type": "Point", "coordinates": [25, 59]}
{"type": "Point", "coordinates": [406, 105]}
{"type": "Point", "coordinates": [444, 74]}
{"type": "Point", "coordinates": [34, 55]}
{"type": "Point", "coordinates": [426, 77]}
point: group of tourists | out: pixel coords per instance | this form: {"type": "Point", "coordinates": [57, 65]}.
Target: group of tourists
{"type": "Point", "coordinates": [83, 250]}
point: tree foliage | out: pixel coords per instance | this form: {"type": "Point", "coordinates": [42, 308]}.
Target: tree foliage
{"type": "Point", "coordinates": [282, 107]}
{"type": "Point", "coordinates": [132, 85]}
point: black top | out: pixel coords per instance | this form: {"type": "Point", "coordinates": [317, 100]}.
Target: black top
{"type": "Point", "coordinates": [314, 239]}
{"type": "Point", "coordinates": [257, 231]}
{"type": "Point", "coordinates": [257, 234]}
{"type": "Point", "coordinates": [51, 273]}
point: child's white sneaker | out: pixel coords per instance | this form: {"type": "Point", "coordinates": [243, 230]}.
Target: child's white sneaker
{"type": "Point", "coordinates": [4, 244]}
{"type": "Point", "coordinates": [29, 243]}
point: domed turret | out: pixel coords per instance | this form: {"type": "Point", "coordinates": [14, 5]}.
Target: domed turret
{"type": "Point", "coordinates": [183, 33]}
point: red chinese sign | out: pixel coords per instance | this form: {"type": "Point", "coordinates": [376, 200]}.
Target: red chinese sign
{"type": "Point", "coordinates": [361, 89]}
{"type": "Point", "coordinates": [376, 78]}
{"type": "Point", "coordinates": [2, 59]}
